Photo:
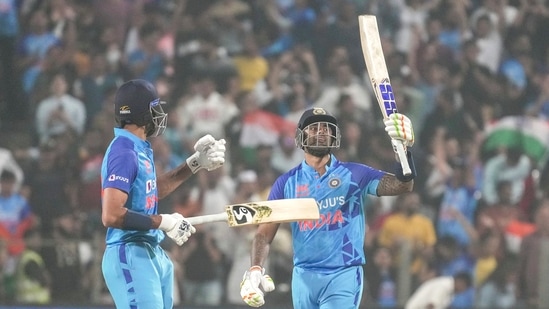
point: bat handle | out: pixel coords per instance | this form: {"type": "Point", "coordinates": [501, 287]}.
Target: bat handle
{"type": "Point", "coordinates": [207, 218]}
{"type": "Point", "coordinates": [399, 148]}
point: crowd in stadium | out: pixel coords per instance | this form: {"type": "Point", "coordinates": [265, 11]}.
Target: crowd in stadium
{"type": "Point", "coordinates": [472, 75]}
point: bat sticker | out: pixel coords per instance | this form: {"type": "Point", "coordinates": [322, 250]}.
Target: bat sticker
{"type": "Point", "coordinates": [388, 98]}
{"type": "Point", "coordinates": [243, 214]}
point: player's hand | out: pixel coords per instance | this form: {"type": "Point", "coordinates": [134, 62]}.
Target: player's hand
{"type": "Point", "coordinates": [210, 154]}
{"type": "Point", "coordinates": [399, 127]}
{"type": "Point", "coordinates": [250, 291]}
{"type": "Point", "coordinates": [176, 227]}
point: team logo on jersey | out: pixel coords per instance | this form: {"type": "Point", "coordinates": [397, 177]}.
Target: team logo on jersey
{"type": "Point", "coordinates": [334, 183]}
{"type": "Point", "coordinates": [243, 214]}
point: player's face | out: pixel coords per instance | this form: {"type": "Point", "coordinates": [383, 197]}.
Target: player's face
{"type": "Point", "coordinates": [318, 134]}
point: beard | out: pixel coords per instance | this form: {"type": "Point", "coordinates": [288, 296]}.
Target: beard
{"type": "Point", "coordinates": [319, 152]}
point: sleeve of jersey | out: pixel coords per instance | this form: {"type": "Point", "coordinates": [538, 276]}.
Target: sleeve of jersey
{"type": "Point", "coordinates": [367, 177]}
{"type": "Point", "coordinates": [277, 190]}
{"type": "Point", "coordinates": [121, 170]}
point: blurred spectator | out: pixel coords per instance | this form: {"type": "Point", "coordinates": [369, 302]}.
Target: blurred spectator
{"type": "Point", "coordinates": [146, 62]}
{"type": "Point", "coordinates": [345, 82]}
{"type": "Point", "coordinates": [231, 21]}
{"type": "Point", "coordinates": [33, 279]}
{"type": "Point", "coordinates": [439, 292]}
{"type": "Point", "coordinates": [47, 185]}
{"type": "Point", "coordinates": [252, 68]}
{"type": "Point", "coordinates": [458, 205]}
{"type": "Point", "coordinates": [530, 257]}
{"type": "Point", "coordinates": [293, 68]}
{"type": "Point", "coordinates": [60, 112]}
{"type": "Point", "coordinates": [93, 87]}
{"type": "Point", "coordinates": [381, 279]}
{"type": "Point", "coordinates": [407, 225]}
{"type": "Point", "coordinates": [216, 190]}
{"type": "Point", "coordinates": [12, 102]}
{"type": "Point", "coordinates": [15, 219]}
{"type": "Point", "coordinates": [487, 252]}
{"type": "Point", "coordinates": [285, 154]}
{"type": "Point", "coordinates": [499, 289]}
{"type": "Point", "coordinates": [246, 191]}
{"type": "Point", "coordinates": [35, 42]}
{"type": "Point", "coordinates": [206, 112]}
{"type": "Point", "coordinates": [203, 264]}
{"type": "Point", "coordinates": [16, 216]}
{"type": "Point", "coordinates": [489, 41]}
{"type": "Point", "coordinates": [91, 152]}
{"type": "Point", "coordinates": [65, 258]}
{"type": "Point", "coordinates": [8, 162]}
{"type": "Point", "coordinates": [511, 165]}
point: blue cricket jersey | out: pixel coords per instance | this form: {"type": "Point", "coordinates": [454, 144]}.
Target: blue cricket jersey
{"type": "Point", "coordinates": [336, 240]}
{"type": "Point", "coordinates": [128, 166]}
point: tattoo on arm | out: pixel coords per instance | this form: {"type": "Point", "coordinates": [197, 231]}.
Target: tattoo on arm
{"type": "Point", "coordinates": [260, 249]}
{"type": "Point", "coordinates": [390, 185]}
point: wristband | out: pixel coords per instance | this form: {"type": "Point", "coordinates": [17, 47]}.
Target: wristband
{"type": "Point", "coordinates": [136, 221]}
{"type": "Point", "coordinates": [399, 173]}
{"type": "Point", "coordinates": [193, 164]}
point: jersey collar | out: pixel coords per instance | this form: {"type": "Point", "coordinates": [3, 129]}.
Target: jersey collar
{"type": "Point", "coordinates": [331, 163]}
{"type": "Point", "coordinates": [136, 140]}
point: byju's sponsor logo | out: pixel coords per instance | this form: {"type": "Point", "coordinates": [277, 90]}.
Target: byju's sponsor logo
{"type": "Point", "coordinates": [114, 177]}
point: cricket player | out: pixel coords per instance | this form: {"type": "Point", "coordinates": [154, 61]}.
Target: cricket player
{"type": "Point", "coordinates": [137, 271]}
{"type": "Point", "coordinates": [328, 253]}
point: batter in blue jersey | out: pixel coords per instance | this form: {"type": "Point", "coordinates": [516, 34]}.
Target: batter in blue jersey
{"type": "Point", "coordinates": [137, 271]}
{"type": "Point", "coordinates": [328, 253]}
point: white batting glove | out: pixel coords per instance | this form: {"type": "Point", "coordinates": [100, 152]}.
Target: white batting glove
{"type": "Point", "coordinates": [250, 292]}
{"type": "Point", "coordinates": [176, 227]}
{"type": "Point", "coordinates": [399, 127]}
{"type": "Point", "coordinates": [210, 154]}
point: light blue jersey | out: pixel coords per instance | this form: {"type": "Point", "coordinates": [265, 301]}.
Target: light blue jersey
{"type": "Point", "coordinates": [129, 166]}
{"type": "Point", "coordinates": [134, 259]}
{"type": "Point", "coordinates": [336, 241]}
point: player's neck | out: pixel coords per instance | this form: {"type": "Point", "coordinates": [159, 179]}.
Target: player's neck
{"type": "Point", "coordinates": [136, 130]}
{"type": "Point", "coordinates": [319, 164]}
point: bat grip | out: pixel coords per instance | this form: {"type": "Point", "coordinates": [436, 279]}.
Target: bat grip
{"type": "Point", "coordinates": [401, 153]}
{"type": "Point", "coordinates": [208, 218]}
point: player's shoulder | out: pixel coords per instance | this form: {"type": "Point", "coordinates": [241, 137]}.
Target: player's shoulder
{"type": "Point", "coordinates": [122, 145]}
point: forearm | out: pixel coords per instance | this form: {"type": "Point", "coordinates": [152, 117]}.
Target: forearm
{"type": "Point", "coordinates": [260, 250]}
{"type": "Point", "coordinates": [169, 181]}
{"type": "Point", "coordinates": [390, 185]}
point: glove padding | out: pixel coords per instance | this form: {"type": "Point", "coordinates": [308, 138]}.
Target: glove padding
{"type": "Point", "coordinates": [210, 154]}
{"type": "Point", "coordinates": [399, 127]}
{"type": "Point", "coordinates": [250, 292]}
{"type": "Point", "coordinates": [176, 227]}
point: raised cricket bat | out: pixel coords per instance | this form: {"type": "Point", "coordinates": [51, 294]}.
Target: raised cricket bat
{"type": "Point", "coordinates": [379, 77]}
{"type": "Point", "coordinates": [275, 211]}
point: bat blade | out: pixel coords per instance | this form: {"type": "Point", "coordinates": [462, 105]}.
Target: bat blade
{"type": "Point", "coordinates": [274, 211]}
{"type": "Point", "coordinates": [379, 77]}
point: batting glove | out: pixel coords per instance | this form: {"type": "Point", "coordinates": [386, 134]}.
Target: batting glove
{"type": "Point", "coordinates": [176, 227]}
{"type": "Point", "coordinates": [399, 127]}
{"type": "Point", "coordinates": [210, 154]}
{"type": "Point", "coordinates": [249, 287]}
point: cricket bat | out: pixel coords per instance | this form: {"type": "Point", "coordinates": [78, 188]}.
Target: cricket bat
{"type": "Point", "coordinates": [274, 211]}
{"type": "Point", "coordinates": [379, 77]}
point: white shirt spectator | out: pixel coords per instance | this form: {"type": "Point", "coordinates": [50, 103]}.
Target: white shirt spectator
{"type": "Point", "coordinates": [437, 292]}
{"type": "Point", "coordinates": [56, 115]}
{"type": "Point", "coordinates": [497, 169]}
{"type": "Point", "coordinates": [206, 115]}
{"type": "Point", "coordinates": [8, 162]}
